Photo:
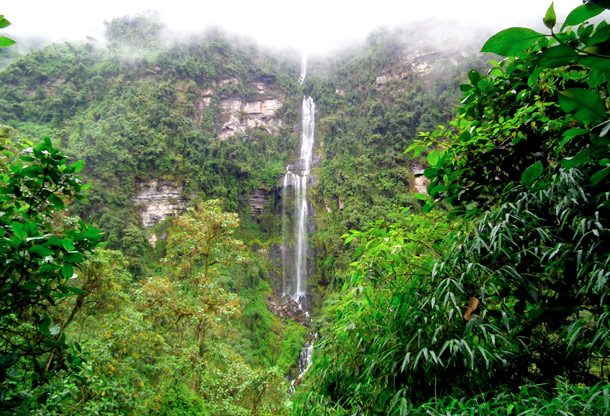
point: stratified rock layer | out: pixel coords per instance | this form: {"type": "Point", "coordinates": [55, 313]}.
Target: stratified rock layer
{"type": "Point", "coordinates": [157, 200]}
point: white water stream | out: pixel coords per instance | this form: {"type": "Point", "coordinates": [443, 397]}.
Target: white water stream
{"type": "Point", "coordinates": [296, 220]}
{"type": "Point", "coordinates": [296, 250]}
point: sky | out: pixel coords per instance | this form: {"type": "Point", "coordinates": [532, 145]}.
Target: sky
{"type": "Point", "coordinates": [314, 26]}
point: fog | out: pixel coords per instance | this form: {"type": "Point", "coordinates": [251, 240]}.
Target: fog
{"type": "Point", "coordinates": [315, 26]}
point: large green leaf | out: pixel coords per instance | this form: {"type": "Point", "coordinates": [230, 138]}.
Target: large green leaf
{"type": "Point", "coordinates": [584, 105]}
{"type": "Point", "coordinates": [511, 41]}
{"type": "Point", "coordinates": [434, 157]}
{"type": "Point", "coordinates": [78, 166]}
{"type": "Point", "coordinates": [19, 230]}
{"type": "Point", "coordinates": [582, 13]}
{"type": "Point", "coordinates": [3, 22]}
{"type": "Point", "coordinates": [599, 176]}
{"type": "Point", "coordinates": [580, 158]}
{"type": "Point", "coordinates": [42, 251]}
{"type": "Point", "coordinates": [600, 70]}
{"type": "Point", "coordinates": [557, 56]}
{"type": "Point", "coordinates": [601, 35]}
{"type": "Point", "coordinates": [571, 133]}
{"type": "Point", "coordinates": [73, 257]}
{"type": "Point", "coordinates": [44, 325]}
{"type": "Point", "coordinates": [67, 270]}
{"type": "Point", "coordinates": [532, 173]}
{"type": "Point", "coordinates": [4, 41]}
{"type": "Point", "coordinates": [430, 173]}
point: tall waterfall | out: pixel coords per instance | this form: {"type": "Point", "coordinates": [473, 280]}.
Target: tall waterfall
{"type": "Point", "coordinates": [296, 210]}
{"type": "Point", "coordinates": [303, 68]}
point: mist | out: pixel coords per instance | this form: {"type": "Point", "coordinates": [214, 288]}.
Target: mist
{"type": "Point", "coordinates": [317, 26]}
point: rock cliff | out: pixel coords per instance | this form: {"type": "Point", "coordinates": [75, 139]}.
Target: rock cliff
{"type": "Point", "coordinates": [238, 115]}
{"type": "Point", "coordinates": [157, 200]}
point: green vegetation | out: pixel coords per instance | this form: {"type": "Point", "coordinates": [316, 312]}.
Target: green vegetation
{"type": "Point", "coordinates": [139, 111]}
{"type": "Point", "coordinates": [82, 336]}
{"type": "Point", "coordinates": [502, 309]}
{"type": "Point", "coordinates": [181, 329]}
{"type": "Point", "coordinates": [372, 105]}
{"type": "Point", "coordinates": [487, 295]}
{"type": "Point", "coordinates": [41, 250]}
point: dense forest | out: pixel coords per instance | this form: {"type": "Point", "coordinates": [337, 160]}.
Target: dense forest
{"type": "Point", "coordinates": [461, 234]}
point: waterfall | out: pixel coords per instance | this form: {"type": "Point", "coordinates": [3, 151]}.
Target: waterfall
{"type": "Point", "coordinates": [304, 362]}
{"type": "Point", "coordinates": [296, 214]}
{"type": "Point", "coordinates": [295, 222]}
{"type": "Point", "coordinates": [295, 247]}
{"type": "Point", "coordinates": [303, 68]}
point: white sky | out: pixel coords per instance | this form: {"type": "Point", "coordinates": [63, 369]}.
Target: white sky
{"type": "Point", "coordinates": [314, 25]}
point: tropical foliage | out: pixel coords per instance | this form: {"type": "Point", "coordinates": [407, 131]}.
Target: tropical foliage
{"type": "Point", "coordinates": [372, 105]}
{"type": "Point", "coordinates": [41, 250]}
{"type": "Point", "coordinates": [508, 312]}
{"type": "Point", "coordinates": [487, 295]}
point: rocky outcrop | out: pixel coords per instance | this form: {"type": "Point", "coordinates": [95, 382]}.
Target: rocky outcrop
{"type": "Point", "coordinates": [257, 199]}
{"type": "Point", "coordinates": [157, 200]}
{"type": "Point", "coordinates": [239, 116]}
{"type": "Point", "coordinates": [381, 80]}
{"type": "Point", "coordinates": [421, 63]}
{"type": "Point", "coordinates": [328, 209]}
{"type": "Point", "coordinates": [206, 98]}
{"type": "Point", "coordinates": [421, 182]}
{"type": "Point", "coordinates": [287, 308]}
{"type": "Point", "coordinates": [236, 114]}
{"type": "Point", "coordinates": [229, 81]}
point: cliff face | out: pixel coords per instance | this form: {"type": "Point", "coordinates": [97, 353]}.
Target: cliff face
{"type": "Point", "coordinates": [156, 200]}
{"type": "Point", "coordinates": [257, 200]}
{"type": "Point", "coordinates": [230, 109]}
{"type": "Point", "coordinates": [429, 67]}
{"type": "Point", "coordinates": [237, 113]}
{"type": "Point", "coordinates": [238, 116]}
{"type": "Point", "coordinates": [372, 106]}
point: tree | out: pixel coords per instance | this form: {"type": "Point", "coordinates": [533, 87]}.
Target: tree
{"type": "Point", "coordinates": [199, 243]}
{"type": "Point", "coordinates": [141, 31]}
{"type": "Point", "coordinates": [545, 103]}
{"type": "Point", "coordinates": [41, 250]}
{"type": "Point", "coordinates": [527, 160]}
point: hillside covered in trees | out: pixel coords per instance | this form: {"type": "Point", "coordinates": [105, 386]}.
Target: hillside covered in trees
{"type": "Point", "coordinates": [460, 254]}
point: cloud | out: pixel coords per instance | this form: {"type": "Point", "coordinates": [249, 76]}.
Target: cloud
{"type": "Point", "coordinates": [315, 25]}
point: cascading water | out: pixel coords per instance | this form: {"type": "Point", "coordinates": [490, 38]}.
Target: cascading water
{"type": "Point", "coordinates": [295, 247]}
{"type": "Point", "coordinates": [303, 68]}
{"type": "Point", "coordinates": [296, 222]}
